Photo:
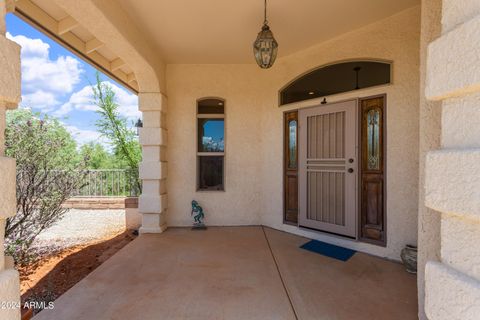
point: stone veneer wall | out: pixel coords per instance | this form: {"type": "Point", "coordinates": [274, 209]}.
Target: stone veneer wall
{"type": "Point", "coordinates": [101, 203]}
{"type": "Point", "coordinates": [9, 98]}
{"type": "Point", "coordinates": [452, 182]}
{"type": "Point", "coordinates": [430, 128]}
{"type": "Point", "coordinates": [153, 169]}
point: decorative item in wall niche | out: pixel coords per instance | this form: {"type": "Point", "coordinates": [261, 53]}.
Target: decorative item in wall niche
{"type": "Point", "coordinates": [324, 101]}
{"type": "Point", "coordinates": [265, 46]}
{"type": "Point", "coordinates": [198, 216]}
{"type": "Point", "coordinates": [409, 258]}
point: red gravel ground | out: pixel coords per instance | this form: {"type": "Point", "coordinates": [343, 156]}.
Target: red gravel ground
{"type": "Point", "coordinates": [52, 276]}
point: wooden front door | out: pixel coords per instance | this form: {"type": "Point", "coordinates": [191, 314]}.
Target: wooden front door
{"type": "Point", "coordinates": [328, 168]}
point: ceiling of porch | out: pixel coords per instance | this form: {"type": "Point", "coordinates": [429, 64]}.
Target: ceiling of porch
{"type": "Point", "coordinates": [219, 31]}
{"type": "Point", "coordinates": [208, 31]}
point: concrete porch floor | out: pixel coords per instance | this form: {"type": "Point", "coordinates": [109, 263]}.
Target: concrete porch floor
{"type": "Point", "coordinates": [236, 273]}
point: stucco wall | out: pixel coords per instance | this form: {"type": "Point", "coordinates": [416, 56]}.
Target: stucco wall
{"type": "Point", "coordinates": [9, 97]}
{"type": "Point", "coordinates": [452, 173]}
{"type": "Point", "coordinates": [254, 136]}
{"type": "Point", "coordinates": [429, 139]}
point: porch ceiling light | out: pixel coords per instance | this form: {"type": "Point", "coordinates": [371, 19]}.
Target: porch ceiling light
{"type": "Point", "coordinates": [265, 46]}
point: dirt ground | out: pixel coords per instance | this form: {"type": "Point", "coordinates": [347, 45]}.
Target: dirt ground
{"type": "Point", "coordinates": [53, 275]}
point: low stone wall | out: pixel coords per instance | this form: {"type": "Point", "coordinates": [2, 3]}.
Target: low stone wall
{"type": "Point", "coordinates": [133, 218]}
{"type": "Point", "coordinates": [101, 203]}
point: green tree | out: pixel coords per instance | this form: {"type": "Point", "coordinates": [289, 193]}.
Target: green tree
{"type": "Point", "coordinates": [114, 127]}
{"type": "Point", "coordinates": [96, 156]}
{"type": "Point", "coordinates": [47, 163]}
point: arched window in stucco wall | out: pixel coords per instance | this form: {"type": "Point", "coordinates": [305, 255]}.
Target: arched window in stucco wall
{"type": "Point", "coordinates": [210, 144]}
{"type": "Point", "coordinates": [336, 78]}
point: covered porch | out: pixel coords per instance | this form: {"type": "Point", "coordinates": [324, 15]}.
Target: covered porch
{"type": "Point", "coordinates": [192, 63]}
{"type": "Point", "coordinates": [237, 273]}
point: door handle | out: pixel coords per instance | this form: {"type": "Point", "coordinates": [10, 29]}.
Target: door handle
{"type": "Point", "coordinates": [350, 170]}
{"type": "Point", "coordinates": [350, 160]}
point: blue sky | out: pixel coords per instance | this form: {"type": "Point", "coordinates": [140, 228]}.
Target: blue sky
{"type": "Point", "coordinates": [214, 129]}
{"type": "Point", "coordinates": [56, 82]}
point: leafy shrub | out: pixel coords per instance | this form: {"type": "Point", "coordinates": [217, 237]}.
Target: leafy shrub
{"type": "Point", "coordinates": [47, 160]}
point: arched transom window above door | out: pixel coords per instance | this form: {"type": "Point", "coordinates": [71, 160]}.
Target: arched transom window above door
{"type": "Point", "coordinates": [336, 78]}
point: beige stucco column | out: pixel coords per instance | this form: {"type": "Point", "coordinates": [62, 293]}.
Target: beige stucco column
{"type": "Point", "coordinates": [429, 139]}
{"type": "Point", "coordinates": [452, 179]}
{"type": "Point", "coordinates": [9, 98]}
{"type": "Point", "coordinates": [153, 169]}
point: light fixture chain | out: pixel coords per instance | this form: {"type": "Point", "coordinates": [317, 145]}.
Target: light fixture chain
{"type": "Point", "coordinates": [265, 21]}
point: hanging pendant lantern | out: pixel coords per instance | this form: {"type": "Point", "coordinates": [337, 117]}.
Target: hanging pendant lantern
{"type": "Point", "coordinates": [265, 46]}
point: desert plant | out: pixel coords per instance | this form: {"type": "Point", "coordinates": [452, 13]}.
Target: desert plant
{"type": "Point", "coordinates": [46, 176]}
{"type": "Point", "coordinates": [114, 127]}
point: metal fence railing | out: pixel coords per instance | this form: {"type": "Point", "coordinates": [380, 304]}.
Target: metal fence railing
{"type": "Point", "coordinates": [108, 183]}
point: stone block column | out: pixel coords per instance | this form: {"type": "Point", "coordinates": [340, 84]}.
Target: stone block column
{"type": "Point", "coordinates": [430, 128]}
{"type": "Point", "coordinates": [452, 173]}
{"type": "Point", "coordinates": [153, 169]}
{"type": "Point", "coordinates": [9, 98]}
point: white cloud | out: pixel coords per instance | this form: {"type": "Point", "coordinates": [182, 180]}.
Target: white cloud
{"type": "Point", "coordinates": [83, 100]}
{"type": "Point", "coordinates": [41, 100]}
{"type": "Point", "coordinates": [83, 136]}
{"type": "Point", "coordinates": [43, 76]}
{"type": "Point", "coordinates": [128, 103]}
{"type": "Point", "coordinates": [31, 48]}
{"type": "Point", "coordinates": [80, 100]}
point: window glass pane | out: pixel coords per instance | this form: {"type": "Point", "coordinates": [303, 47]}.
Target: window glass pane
{"type": "Point", "coordinates": [373, 139]}
{"type": "Point", "coordinates": [210, 172]}
{"type": "Point", "coordinates": [336, 78]}
{"type": "Point", "coordinates": [210, 135]}
{"type": "Point", "coordinates": [211, 106]}
{"type": "Point", "coordinates": [292, 144]}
